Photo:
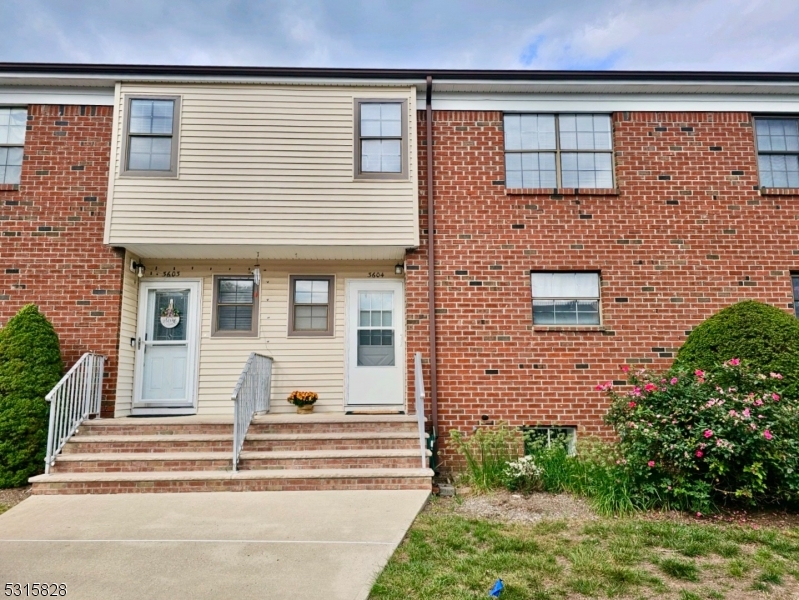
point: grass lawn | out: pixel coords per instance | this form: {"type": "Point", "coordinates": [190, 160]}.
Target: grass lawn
{"type": "Point", "coordinates": [450, 555]}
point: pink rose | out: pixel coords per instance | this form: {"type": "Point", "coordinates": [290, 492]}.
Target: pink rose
{"type": "Point", "coordinates": [674, 381]}
{"type": "Point", "coordinates": [650, 387]}
{"type": "Point", "coordinates": [699, 373]}
{"type": "Point", "coordinates": [625, 369]}
{"type": "Point", "coordinates": [651, 463]}
{"type": "Point", "coordinates": [767, 434]}
{"type": "Point", "coordinates": [775, 397]}
{"type": "Point", "coordinates": [631, 404]}
{"type": "Point", "coordinates": [636, 391]}
{"type": "Point", "coordinates": [699, 454]}
{"type": "Point", "coordinates": [734, 362]}
{"type": "Point", "coordinates": [708, 433]}
{"type": "Point", "coordinates": [775, 375]}
{"type": "Point", "coordinates": [746, 413]}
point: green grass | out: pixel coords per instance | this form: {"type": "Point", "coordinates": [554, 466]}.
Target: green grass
{"type": "Point", "coordinates": [3, 508]}
{"type": "Point", "coordinates": [447, 556]}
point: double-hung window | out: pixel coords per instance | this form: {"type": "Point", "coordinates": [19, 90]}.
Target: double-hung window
{"type": "Point", "coordinates": [311, 305]}
{"type": "Point", "coordinates": [558, 151]}
{"type": "Point", "coordinates": [565, 298]}
{"type": "Point", "coordinates": [235, 306]}
{"type": "Point", "coordinates": [778, 152]}
{"type": "Point", "coordinates": [151, 136]}
{"type": "Point", "coordinates": [12, 143]}
{"type": "Point", "coordinates": [795, 281]}
{"type": "Point", "coordinates": [381, 139]}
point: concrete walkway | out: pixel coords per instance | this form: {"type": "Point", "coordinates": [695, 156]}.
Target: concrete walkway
{"type": "Point", "coordinates": [281, 545]}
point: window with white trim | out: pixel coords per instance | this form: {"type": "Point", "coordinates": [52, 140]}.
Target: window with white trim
{"type": "Point", "coordinates": [537, 438]}
{"type": "Point", "coordinates": [565, 298]}
{"type": "Point", "coordinates": [778, 152]}
{"type": "Point", "coordinates": [558, 151]}
{"type": "Point", "coordinates": [12, 143]}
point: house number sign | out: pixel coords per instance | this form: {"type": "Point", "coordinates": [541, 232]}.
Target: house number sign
{"type": "Point", "coordinates": [171, 273]}
{"type": "Point", "coordinates": [376, 274]}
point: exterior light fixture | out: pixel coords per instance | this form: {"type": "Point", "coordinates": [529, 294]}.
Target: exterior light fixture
{"type": "Point", "coordinates": [399, 269]}
{"type": "Point", "coordinates": [137, 268]}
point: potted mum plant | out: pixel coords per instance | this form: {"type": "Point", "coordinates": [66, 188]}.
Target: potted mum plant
{"type": "Point", "coordinates": [304, 401]}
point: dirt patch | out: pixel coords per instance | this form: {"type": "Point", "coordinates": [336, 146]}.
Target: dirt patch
{"type": "Point", "coordinates": [518, 508]}
{"type": "Point", "coordinates": [13, 496]}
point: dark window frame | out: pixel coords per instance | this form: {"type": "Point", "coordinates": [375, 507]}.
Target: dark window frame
{"type": "Point", "coordinates": [172, 173]}
{"type": "Point", "coordinates": [22, 146]}
{"type": "Point", "coordinates": [795, 292]}
{"type": "Point", "coordinates": [558, 151]}
{"type": "Point", "coordinates": [331, 302]}
{"type": "Point", "coordinates": [758, 151]}
{"type": "Point", "coordinates": [254, 331]}
{"type": "Point", "coordinates": [567, 325]}
{"type": "Point", "coordinates": [404, 155]}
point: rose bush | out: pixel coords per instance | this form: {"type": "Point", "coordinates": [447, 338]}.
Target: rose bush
{"type": "Point", "coordinates": [695, 439]}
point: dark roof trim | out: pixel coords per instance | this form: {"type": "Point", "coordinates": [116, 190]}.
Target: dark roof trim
{"type": "Point", "coordinates": [437, 74]}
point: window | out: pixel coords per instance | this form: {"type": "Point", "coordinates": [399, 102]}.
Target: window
{"type": "Point", "coordinates": [381, 139]}
{"type": "Point", "coordinates": [12, 143]}
{"type": "Point", "coordinates": [536, 438]}
{"type": "Point", "coordinates": [778, 152]}
{"type": "Point", "coordinates": [235, 306]}
{"type": "Point", "coordinates": [558, 151]}
{"type": "Point", "coordinates": [151, 133]}
{"type": "Point", "coordinates": [795, 279]}
{"type": "Point", "coordinates": [565, 298]}
{"type": "Point", "coordinates": [311, 305]}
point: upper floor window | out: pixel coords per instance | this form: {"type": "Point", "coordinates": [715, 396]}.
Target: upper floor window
{"type": "Point", "coordinates": [235, 306]}
{"type": "Point", "coordinates": [381, 139]}
{"type": "Point", "coordinates": [12, 143]}
{"type": "Point", "coordinates": [795, 280]}
{"type": "Point", "coordinates": [564, 298]}
{"type": "Point", "coordinates": [150, 138]}
{"type": "Point", "coordinates": [778, 152]}
{"type": "Point", "coordinates": [558, 151]}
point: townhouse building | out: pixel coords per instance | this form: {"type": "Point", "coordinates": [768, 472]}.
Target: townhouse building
{"type": "Point", "coordinates": [524, 233]}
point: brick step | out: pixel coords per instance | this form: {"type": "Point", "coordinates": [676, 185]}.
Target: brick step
{"type": "Point", "coordinates": [158, 426]}
{"type": "Point", "coordinates": [224, 481]}
{"type": "Point", "coordinates": [327, 423]}
{"type": "Point", "coordinates": [362, 440]}
{"type": "Point", "coordinates": [138, 462]}
{"type": "Point", "coordinates": [331, 459]}
{"type": "Point", "coordinates": [103, 444]}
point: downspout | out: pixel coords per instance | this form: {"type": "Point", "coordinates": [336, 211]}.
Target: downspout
{"type": "Point", "coordinates": [431, 270]}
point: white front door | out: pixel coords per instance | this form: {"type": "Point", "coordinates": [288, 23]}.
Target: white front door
{"type": "Point", "coordinates": [375, 343]}
{"type": "Point", "coordinates": [166, 348]}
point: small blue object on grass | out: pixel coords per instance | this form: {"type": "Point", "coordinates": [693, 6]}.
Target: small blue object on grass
{"type": "Point", "coordinates": [497, 589]}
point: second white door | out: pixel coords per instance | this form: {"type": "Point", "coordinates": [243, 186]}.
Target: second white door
{"type": "Point", "coordinates": [375, 343]}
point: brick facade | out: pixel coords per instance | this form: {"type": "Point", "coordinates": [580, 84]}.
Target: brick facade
{"type": "Point", "coordinates": [687, 234]}
{"type": "Point", "coordinates": [52, 251]}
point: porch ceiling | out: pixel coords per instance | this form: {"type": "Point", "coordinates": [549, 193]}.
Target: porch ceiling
{"type": "Point", "coordinates": [267, 252]}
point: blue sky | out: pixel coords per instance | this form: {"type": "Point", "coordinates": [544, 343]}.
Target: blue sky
{"type": "Point", "coordinates": [729, 35]}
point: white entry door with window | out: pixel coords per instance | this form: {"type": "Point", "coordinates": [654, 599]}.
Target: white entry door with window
{"type": "Point", "coordinates": [375, 344]}
{"type": "Point", "coordinates": [166, 347]}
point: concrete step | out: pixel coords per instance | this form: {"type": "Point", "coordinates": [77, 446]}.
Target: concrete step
{"type": "Point", "coordinates": [139, 462]}
{"type": "Point", "coordinates": [103, 444]}
{"type": "Point", "coordinates": [331, 459]}
{"type": "Point", "coordinates": [209, 481]}
{"type": "Point", "coordinates": [158, 426]}
{"type": "Point", "coordinates": [332, 422]}
{"type": "Point", "coordinates": [361, 440]}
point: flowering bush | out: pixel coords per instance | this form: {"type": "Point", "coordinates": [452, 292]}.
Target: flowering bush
{"type": "Point", "coordinates": [523, 474]}
{"type": "Point", "coordinates": [302, 398]}
{"type": "Point", "coordinates": [695, 439]}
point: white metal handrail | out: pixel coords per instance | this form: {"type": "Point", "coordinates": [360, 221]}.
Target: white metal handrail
{"type": "Point", "coordinates": [72, 400]}
{"type": "Point", "coordinates": [419, 393]}
{"type": "Point", "coordinates": [250, 396]}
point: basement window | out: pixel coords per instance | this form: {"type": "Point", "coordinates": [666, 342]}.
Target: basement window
{"type": "Point", "coordinates": [536, 438]}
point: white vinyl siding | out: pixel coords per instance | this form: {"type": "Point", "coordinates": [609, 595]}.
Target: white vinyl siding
{"type": "Point", "coordinates": [265, 165]}
{"type": "Point", "coordinates": [127, 331]}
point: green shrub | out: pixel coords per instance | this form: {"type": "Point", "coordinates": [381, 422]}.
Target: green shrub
{"type": "Point", "coordinates": [694, 440]}
{"type": "Point", "coordinates": [594, 471]}
{"type": "Point", "coordinates": [487, 452]}
{"type": "Point", "coordinates": [762, 335]}
{"type": "Point", "coordinates": [30, 365]}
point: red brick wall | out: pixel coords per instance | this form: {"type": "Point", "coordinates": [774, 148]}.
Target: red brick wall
{"type": "Point", "coordinates": [688, 234]}
{"type": "Point", "coordinates": [51, 249]}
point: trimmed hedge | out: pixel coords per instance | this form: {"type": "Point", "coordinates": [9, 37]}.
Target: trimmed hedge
{"type": "Point", "coordinates": [30, 365]}
{"type": "Point", "coordinates": [764, 336]}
